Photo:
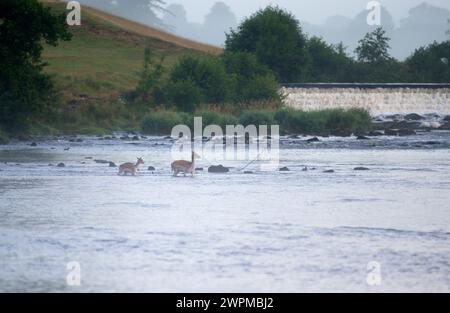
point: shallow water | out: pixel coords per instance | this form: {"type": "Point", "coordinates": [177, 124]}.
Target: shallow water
{"type": "Point", "coordinates": [261, 232]}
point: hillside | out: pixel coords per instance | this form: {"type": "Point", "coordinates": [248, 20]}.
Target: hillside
{"type": "Point", "coordinates": [106, 52]}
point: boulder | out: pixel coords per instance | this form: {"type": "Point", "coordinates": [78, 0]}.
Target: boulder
{"type": "Point", "coordinates": [135, 138]}
{"type": "Point", "coordinates": [445, 126]}
{"type": "Point", "coordinates": [329, 171]}
{"type": "Point", "coordinates": [361, 168]}
{"type": "Point", "coordinates": [151, 168]}
{"type": "Point", "coordinates": [447, 118]}
{"type": "Point", "coordinates": [414, 117]}
{"type": "Point", "coordinates": [33, 144]}
{"type": "Point", "coordinates": [248, 172]}
{"type": "Point", "coordinates": [199, 169]}
{"type": "Point", "coordinates": [284, 169]}
{"type": "Point", "coordinates": [362, 138]}
{"type": "Point", "coordinates": [218, 169]}
{"type": "Point", "coordinates": [314, 139]}
{"type": "Point", "coordinates": [376, 133]}
{"type": "Point", "coordinates": [101, 161]}
{"type": "Point", "coordinates": [61, 165]}
{"type": "Point", "coordinates": [112, 164]}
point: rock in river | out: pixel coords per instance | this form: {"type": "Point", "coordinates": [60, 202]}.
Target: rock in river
{"type": "Point", "coordinates": [361, 168]}
{"type": "Point", "coordinates": [314, 139]}
{"type": "Point", "coordinates": [218, 169]}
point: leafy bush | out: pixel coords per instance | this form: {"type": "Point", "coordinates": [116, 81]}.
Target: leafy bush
{"type": "Point", "coordinates": [216, 118]}
{"type": "Point", "coordinates": [207, 73]}
{"type": "Point", "coordinates": [324, 122]}
{"type": "Point", "coordinates": [4, 139]}
{"type": "Point", "coordinates": [185, 95]}
{"type": "Point", "coordinates": [257, 117]}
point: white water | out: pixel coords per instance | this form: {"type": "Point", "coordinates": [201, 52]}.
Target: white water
{"type": "Point", "coordinates": [262, 232]}
{"type": "Point", "coordinates": [377, 101]}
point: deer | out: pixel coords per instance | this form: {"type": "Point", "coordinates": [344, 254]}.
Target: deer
{"type": "Point", "coordinates": [185, 167]}
{"type": "Point", "coordinates": [131, 168]}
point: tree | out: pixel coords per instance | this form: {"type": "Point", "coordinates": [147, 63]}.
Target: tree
{"type": "Point", "coordinates": [374, 47]}
{"type": "Point", "coordinates": [24, 89]}
{"type": "Point", "coordinates": [430, 63]}
{"type": "Point", "coordinates": [277, 40]}
{"type": "Point", "coordinates": [329, 63]}
{"type": "Point", "coordinates": [149, 86]}
{"type": "Point", "coordinates": [249, 79]}
{"type": "Point", "coordinates": [207, 73]}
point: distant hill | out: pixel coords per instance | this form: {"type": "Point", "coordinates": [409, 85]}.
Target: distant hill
{"type": "Point", "coordinates": [106, 53]}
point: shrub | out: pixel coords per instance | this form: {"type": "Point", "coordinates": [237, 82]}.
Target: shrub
{"type": "Point", "coordinates": [4, 139]}
{"type": "Point", "coordinates": [324, 122]}
{"type": "Point", "coordinates": [207, 73]}
{"type": "Point", "coordinates": [185, 95]}
{"type": "Point", "coordinates": [216, 118]}
{"type": "Point", "coordinates": [257, 117]}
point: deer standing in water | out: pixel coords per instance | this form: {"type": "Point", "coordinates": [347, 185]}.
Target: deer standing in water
{"type": "Point", "coordinates": [185, 167]}
{"type": "Point", "coordinates": [131, 168]}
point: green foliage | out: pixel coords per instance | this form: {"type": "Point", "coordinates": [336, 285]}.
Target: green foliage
{"type": "Point", "coordinates": [257, 117]}
{"type": "Point", "coordinates": [431, 63]}
{"type": "Point", "coordinates": [185, 95]}
{"type": "Point", "coordinates": [250, 80]}
{"type": "Point", "coordinates": [217, 118]}
{"type": "Point", "coordinates": [207, 73]}
{"type": "Point", "coordinates": [24, 90]}
{"type": "Point", "coordinates": [324, 122]}
{"type": "Point", "coordinates": [374, 47]}
{"type": "Point", "coordinates": [232, 78]}
{"type": "Point", "coordinates": [277, 40]}
{"type": "Point", "coordinates": [149, 87]}
{"type": "Point", "coordinates": [4, 139]}
{"type": "Point", "coordinates": [329, 63]}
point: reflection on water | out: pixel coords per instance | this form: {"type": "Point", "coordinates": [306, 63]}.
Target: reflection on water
{"type": "Point", "coordinates": [266, 231]}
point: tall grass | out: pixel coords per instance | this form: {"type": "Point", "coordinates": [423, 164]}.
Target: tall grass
{"type": "Point", "coordinates": [4, 139]}
{"type": "Point", "coordinates": [337, 122]}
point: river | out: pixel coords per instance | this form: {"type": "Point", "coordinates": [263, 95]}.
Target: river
{"type": "Point", "coordinates": [301, 230]}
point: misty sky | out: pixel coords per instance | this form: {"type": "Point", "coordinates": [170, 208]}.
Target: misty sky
{"type": "Point", "coordinates": [313, 11]}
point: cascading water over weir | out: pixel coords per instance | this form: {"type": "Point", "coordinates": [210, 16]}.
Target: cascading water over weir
{"type": "Point", "coordinates": [378, 99]}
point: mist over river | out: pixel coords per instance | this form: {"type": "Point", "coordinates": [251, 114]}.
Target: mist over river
{"type": "Point", "coordinates": [293, 231]}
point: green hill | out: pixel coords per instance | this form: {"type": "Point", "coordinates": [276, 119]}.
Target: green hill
{"type": "Point", "coordinates": [106, 52]}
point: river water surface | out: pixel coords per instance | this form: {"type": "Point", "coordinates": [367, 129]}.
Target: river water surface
{"type": "Point", "coordinates": [261, 232]}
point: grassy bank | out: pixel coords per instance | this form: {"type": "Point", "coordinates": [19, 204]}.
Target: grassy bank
{"type": "Point", "coordinates": [335, 122]}
{"type": "Point", "coordinates": [4, 138]}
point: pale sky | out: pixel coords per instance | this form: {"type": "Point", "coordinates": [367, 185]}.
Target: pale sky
{"type": "Point", "coordinates": [313, 11]}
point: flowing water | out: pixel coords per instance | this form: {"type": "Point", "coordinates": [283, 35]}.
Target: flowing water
{"type": "Point", "coordinates": [260, 232]}
{"type": "Point", "coordinates": [377, 101]}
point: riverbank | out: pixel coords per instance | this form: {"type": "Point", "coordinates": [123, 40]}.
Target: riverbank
{"type": "Point", "coordinates": [104, 119]}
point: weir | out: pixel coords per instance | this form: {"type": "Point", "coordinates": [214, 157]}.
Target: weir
{"type": "Point", "coordinates": [376, 98]}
